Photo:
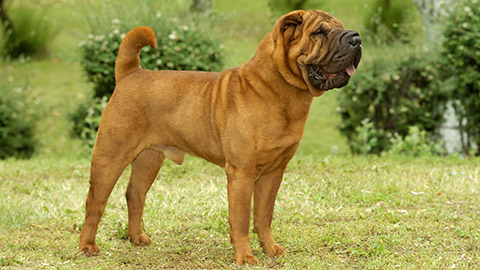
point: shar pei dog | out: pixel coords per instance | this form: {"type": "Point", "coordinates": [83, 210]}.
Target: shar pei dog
{"type": "Point", "coordinates": [248, 120]}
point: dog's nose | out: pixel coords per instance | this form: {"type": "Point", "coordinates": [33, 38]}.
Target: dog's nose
{"type": "Point", "coordinates": [353, 38]}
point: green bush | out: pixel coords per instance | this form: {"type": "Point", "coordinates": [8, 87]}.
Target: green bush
{"type": "Point", "coordinates": [380, 102]}
{"type": "Point", "coordinates": [461, 51]}
{"type": "Point", "coordinates": [180, 47]}
{"type": "Point", "coordinates": [30, 35]}
{"type": "Point", "coordinates": [17, 123]}
{"type": "Point", "coordinates": [387, 20]}
{"type": "Point", "coordinates": [87, 119]}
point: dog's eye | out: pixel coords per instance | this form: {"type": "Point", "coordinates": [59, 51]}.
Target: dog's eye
{"type": "Point", "coordinates": [320, 32]}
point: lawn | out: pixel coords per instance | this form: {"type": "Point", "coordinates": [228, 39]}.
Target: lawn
{"type": "Point", "coordinates": [333, 211]}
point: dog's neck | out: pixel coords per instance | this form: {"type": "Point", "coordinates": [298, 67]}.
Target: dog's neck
{"type": "Point", "coordinates": [263, 69]}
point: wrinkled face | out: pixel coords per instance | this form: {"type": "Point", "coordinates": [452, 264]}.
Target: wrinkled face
{"type": "Point", "coordinates": [325, 54]}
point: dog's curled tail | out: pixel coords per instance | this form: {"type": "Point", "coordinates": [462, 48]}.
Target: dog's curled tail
{"type": "Point", "coordinates": [128, 59]}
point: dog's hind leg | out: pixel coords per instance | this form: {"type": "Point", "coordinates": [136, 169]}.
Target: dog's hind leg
{"type": "Point", "coordinates": [109, 159]}
{"type": "Point", "coordinates": [144, 170]}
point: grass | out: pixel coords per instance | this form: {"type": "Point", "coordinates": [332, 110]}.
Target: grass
{"type": "Point", "coordinates": [363, 212]}
{"type": "Point", "coordinates": [334, 211]}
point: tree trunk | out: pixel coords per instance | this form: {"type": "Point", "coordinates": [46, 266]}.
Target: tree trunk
{"type": "Point", "coordinates": [200, 5]}
{"type": "Point", "coordinates": [4, 17]}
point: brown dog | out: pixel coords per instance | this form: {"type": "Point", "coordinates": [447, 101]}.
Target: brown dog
{"type": "Point", "coordinates": [248, 120]}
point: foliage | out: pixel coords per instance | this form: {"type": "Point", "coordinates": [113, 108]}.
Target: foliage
{"type": "Point", "coordinates": [380, 103]}
{"type": "Point", "coordinates": [461, 51]}
{"type": "Point", "coordinates": [368, 138]}
{"type": "Point", "coordinates": [29, 35]}
{"type": "Point", "coordinates": [17, 123]}
{"type": "Point", "coordinates": [416, 143]}
{"type": "Point", "coordinates": [280, 7]}
{"type": "Point", "coordinates": [87, 119]}
{"type": "Point", "coordinates": [387, 18]}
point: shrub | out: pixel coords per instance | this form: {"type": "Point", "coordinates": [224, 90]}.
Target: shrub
{"type": "Point", "coordinates": [379, 103]}
{"type": "Point", "coordinates": [179, 48]}
{"type": "Point", "coordinates": [17, 122]}
{"type": "Point", "coordinates": [30, 34]}
{"type": "Point", "coordinates": [87, 119]}
{"type": "Point", "coordinates": [461, 51]}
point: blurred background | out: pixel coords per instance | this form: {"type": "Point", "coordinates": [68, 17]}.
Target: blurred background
{"type": "Point", "coordinates": [416, 91]}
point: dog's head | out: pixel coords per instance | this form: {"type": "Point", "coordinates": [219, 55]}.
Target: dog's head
{"type": "Point", "coordinates": [314, 51]}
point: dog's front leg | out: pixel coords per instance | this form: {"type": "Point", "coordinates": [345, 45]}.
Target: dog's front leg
{"type": "Point", "coordinates": [239, 190]}
{"type": "Point", "coordinates": [265, 193]}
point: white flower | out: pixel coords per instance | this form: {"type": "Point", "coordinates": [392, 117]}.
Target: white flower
{"type": "Point", "coordinates": [468, 11]}
{"type": "Point", "coordinates": [173, 35]}
{"type": "Point", "coordinates": [116, 31]}
{"type": "Point", "coordinates": [158, 15]}
{"type": "Point", "coordinates": [185, 27]}
{"type": "Point", "coordinates": [99, 37]}
{"type": "Point", "coordinates": [116, 21]}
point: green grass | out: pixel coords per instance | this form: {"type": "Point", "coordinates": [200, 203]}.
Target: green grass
{"type": "Point", "coordinates": [334, 211]}
{"type": "Point", "coordinates": [361, 212]}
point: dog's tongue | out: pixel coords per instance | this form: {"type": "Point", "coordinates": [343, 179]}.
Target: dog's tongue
{"type": "Point", "coordinates": [350, 70]}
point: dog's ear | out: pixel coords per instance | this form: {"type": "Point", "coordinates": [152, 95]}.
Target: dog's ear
{"type": "Point", "coordinates": [287, 29]}
{"type": "Point", "coordinates": [289, 26]}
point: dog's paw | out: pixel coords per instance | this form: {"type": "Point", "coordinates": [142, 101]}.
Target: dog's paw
{"type": "Point", "coordinates": [251, 260]}
{"type": "Point", "coordinates": [274, 250]}
{"type": "Point", "coordinates": [141, 240]}
{"type": "Point", "coordinates": [89, 249]}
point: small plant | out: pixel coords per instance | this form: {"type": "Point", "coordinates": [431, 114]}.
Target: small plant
{"type": "Point", "coordinates": [121, 230]}
{"type": "Point", "coordinates": [461, 51]}
{"type": "Point", "coordinates": [17, 122]}
{"type": "Point", "coordinates": [416, 143]}
{"type": "Point", "coordinates": [367, 138]}
{"type": "Point", "coordinates": [381, 101]}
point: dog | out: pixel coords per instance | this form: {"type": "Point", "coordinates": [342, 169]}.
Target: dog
{"type": "Point", "coordinates": [248, 120]}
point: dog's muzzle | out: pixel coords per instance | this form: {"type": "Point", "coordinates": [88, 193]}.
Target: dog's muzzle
{"type": "Point", "coordinates": [346, 60]}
